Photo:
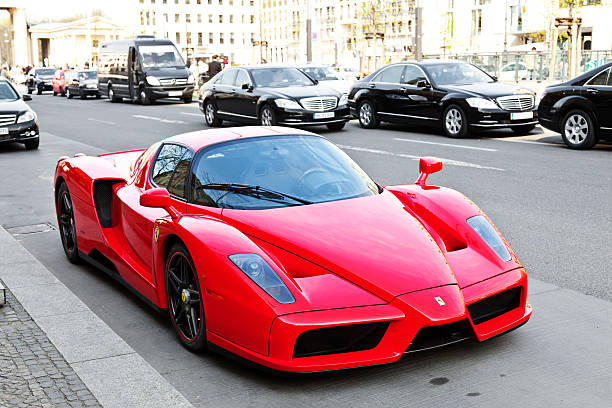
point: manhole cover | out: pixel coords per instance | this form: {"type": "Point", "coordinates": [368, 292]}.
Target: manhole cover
{"type": "Point", "coordinates": [31, 229]}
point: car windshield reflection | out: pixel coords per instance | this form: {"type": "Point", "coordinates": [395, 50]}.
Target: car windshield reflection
{"type": "Point", "coordinates": [280, 77]}
{"type": "Point", "coordinates": [456, 74]}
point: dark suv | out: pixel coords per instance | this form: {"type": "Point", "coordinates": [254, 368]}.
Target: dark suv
{"type": "Point", "coordinates": [40, 79]}
{"type": "Point", "coordinates": [580, 109]}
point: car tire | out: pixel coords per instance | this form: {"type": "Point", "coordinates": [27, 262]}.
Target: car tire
{"type": "Point", "coordinates": [454, 122]}
{"type": "Point", "coordinates": [98, 96]}
{"type": "Point", "coordinates": [54, 93]}
{"type": "Point", "coordinates": [30, 90]}
{"type": "Point", "coordinates": [39, 90]}
{"type": "Point", "coordinates": [367, 115]}
{"type": "Point", "coordinates": [267, 116]}
{"type": "Point", "coordinates": [210, 115]}
{"type": "Point", "coordinates": [188, 99]}
{"type": "Point", "coordinates": [184, 297]}
{"type": "Point", "coordinates": [523, 130]}
{"type": "Point", "coordinates": [577, 130]}
{"type": "Point", "coordinates": [67, 226]}
{"type": "Point", "coordinates": [112, 97]}
{"type": "Point", "coordinates": [32, 144]}
{"type": "Point", "coordinates": [69, 94]}
{"type": "Point", "coordinates": [144, 98]}
{"type": "Point", "coordinates": [63, 92]}
{"type": "Point", "coordinates": [336, 126]}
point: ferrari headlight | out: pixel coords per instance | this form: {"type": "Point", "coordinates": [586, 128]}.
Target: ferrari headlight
{"type": "Point", "coordinates": [481, 103]}
{"type": "Point", "coordinates": [489, 235]}
{"type": "Point", "coordinates": [263, 275]}
{"type": "Point", "coordinates": [151, 80]}
{"type": "Point", "coordinates": [26, 116]}
{"type": "Point", "coordinates": [287, 104]}
{"type": "Point", "coordinates": [190, 79]}
{"type": "Point", "coordinates": [343, 100]}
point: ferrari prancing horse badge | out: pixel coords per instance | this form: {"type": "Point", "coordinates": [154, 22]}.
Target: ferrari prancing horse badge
{"type": "Point", "coordinates": [156, 233]}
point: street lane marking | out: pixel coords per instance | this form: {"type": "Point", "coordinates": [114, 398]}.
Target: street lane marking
{"type": "Point", "coordinates": [409, 156]}
{"type": "Point", "coordinates": [159, 119]}
{"type": "Point", "coordinates": [108, 122]}
{"type": "Point", "coordinates": [484, 149]}
{"type": "Point", "coordinates": [192, 114]}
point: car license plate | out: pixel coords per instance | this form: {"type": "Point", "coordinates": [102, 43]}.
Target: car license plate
{"type": "Point", "coordinates": [4, 131]}
{"type": "Point", "coordinates": [175, 93]}
{"type": "Point", "coordinates": [323, 115]}
{"type": "Point", "coordinates": [521, 115]}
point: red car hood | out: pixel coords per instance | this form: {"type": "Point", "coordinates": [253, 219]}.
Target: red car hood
{"type": "Point", "coordinates": [371, 241]}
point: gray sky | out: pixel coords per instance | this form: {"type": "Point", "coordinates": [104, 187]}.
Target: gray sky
{"type": "Point", "coordinates": [40, 10]}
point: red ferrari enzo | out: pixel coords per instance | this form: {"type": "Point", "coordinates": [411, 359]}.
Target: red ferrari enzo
{"type": "Point", "coordinates": [272, 244]}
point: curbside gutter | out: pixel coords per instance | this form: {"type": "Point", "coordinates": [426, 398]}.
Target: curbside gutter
{"type": "Point", "coordinates": [116, 375]}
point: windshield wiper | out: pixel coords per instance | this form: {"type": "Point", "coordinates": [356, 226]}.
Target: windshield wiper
{"type": "Point", "coordinates": [253, 191]}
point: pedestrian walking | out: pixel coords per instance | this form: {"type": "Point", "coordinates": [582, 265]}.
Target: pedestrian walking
{"type": "Point", "coordinates": [214, 67]}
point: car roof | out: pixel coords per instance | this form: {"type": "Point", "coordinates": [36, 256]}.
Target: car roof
{"type": "Point", "coordinates": [203, 138]}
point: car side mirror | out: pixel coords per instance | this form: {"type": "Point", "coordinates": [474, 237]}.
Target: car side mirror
{"type": "Point", "coordinates": [494, 78]}
{"type": "Point", "coordinates": [158, 198]}
{"type": "Point", "coordinates": [428, 165]}
{"type": "Point", "coordinates": [248, 87]}
{"type": "Point", "coordinates": [26, 97]}
{"type": "Point", "coordinates": [423, 84]}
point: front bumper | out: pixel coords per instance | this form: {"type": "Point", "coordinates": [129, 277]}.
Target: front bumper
{"type": "Point", "coordinates": [85, 91]}
{"type": "Point", "coordinates": [298, 117]}
{"type": "Point", "coordinates": [407, 318]}
{"type": "Point", "coordinates": [45, 86]}
{"type": "Point", "coordinates": [159, 92]}
{"type": "Point", "coordinates": [498, 118]}
{"type": "Point", "coordinates": [21, 132]}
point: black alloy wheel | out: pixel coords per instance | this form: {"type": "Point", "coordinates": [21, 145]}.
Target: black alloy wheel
{"type": "Point", "coordinates": [578, 131]}
{"type": "Point", "coordinates": [454, 122]}
{"type": "Point", "coordinates": [111, 95]}
{"type": "Point", "coordinates": [67, 227]}
{"type": "Point", "coordinates": [210, 115]}
{"type": "Point", "coordinates": [267, 117]}
{"type": "Point", "coordinates": [184, 296]}
{"type": "Point", "coordinates": [39, 91]}
{"type": "Point", "coordinates": [367, 115]}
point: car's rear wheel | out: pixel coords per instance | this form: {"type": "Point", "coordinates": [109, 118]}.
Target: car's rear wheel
{"type": "Point", "coordinates": [523, 130]}
{"type": "Point", "coordinates": [367, 115]}
{"type": "Point", "coordinates": [67, 226]}
{"type": "Point", "coordinates": [210, 115]}
{"type": "Point", "coordinates": [112, 97]}
{"type": "Point", "coordinates": [336, 126]}
{"type": "Point", "coordinates": [455, 122]}
{"type": "Point", "coordinates": [184, 297]}
{"type": "Point", "coordinates": [54, 92]}
{"type": "Point", "coordinates": [39, 91]}
{"type": "Point", "coordinates": [578, 131]}
{"type": "Point", "coordinates": [267, 117]}
{"type": "Point", "coordinates": [188, 99]}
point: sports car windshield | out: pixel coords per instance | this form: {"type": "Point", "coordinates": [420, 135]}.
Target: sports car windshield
{"type": "Point", "coordinates": [456, 74]}
{"type": "Point", "coordinates": [279, 171]}
{"type": "Point", "coordinates": [280, 77]}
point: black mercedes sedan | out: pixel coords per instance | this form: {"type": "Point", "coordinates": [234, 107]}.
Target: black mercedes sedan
{"type": "Point", "coordinates": [454, 94]}
{"type": "Point", "coordinates": [40, 79]}
{"type": "Point", "coordinates": [580, 109]}
{"type": "Point", "coordinates": [271, 95]}
{"type": "Point", "coordinates": [18, 123]}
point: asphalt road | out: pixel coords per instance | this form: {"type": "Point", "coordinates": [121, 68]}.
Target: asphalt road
{"type": "Point", "coordinates": [553, 205]}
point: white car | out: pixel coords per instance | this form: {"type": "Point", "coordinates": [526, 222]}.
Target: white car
{"type": "Point", "coordinates": [510, 72]}
{"type": "Point", "coordinates": [327, 76]}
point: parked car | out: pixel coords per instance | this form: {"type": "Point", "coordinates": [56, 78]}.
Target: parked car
{"type": "Point", "coordinates": [580, 109]}
{"type": "Point", "coordinates": [456, 95]}
{"type": "Point", "coordinates": [18, 122]}
{"type": "Point", "coordinates": [271, 95]}
{"type": "Point", "coordinates": [143, 69]}
{"type": "Point", "coordinates": [82, 83]}
{"type": "Point", "coordinates": [40, 80]}
{"type": "Point", "coordinates": [348, 73]}
{"type": "Point", "coordinates": [59, 82]}
{"type": "Point", "coordinates": [272, 244]}
{"type": "Point", "coordinates": [327, 76]}
{"type": "Point", "coordinates": [515, 71]}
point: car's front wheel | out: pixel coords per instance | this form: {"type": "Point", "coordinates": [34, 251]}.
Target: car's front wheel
{"type": "Point", "coordinates": [112, 97]}
{"type": "Point", "coordinates": [39, 91]}
{"type": "Point", "coordinates": [454, 122]}
{"type": "Point", "coordinates": [578, 131]}
{"type": "Point", "coordinates": [144, 98]}
{"type": "Point", "coordinates": [184, 297]}
{"type": "Point", "coordinates": [67, 226]}
{"type": "Point", "coordinates": [367, 115]}
{"type": "Point", "coordinates": [267, 117]}
{"type": "Point", "coordinates": [210, 115]}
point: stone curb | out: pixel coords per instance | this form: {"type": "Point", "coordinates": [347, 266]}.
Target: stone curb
{"type": "Point", "coordinates": [109, 367]}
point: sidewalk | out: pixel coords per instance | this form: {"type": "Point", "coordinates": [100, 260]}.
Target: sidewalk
{"type": "Point", "coordinates": [54, 351]}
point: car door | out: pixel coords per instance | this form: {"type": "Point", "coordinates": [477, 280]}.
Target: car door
{"type": "Point", "coordinates": [415, 98]}
{"type": "Point", "coordinates": [169, 170]}
{"type": "Point", "coordinates": [599, 91]}
{"type": "Point", "coordinates": [243, 99]}
{"type": "Point", "coordinates": [223, 89]}
{"type": "Point", "coordinates": [385, 88]}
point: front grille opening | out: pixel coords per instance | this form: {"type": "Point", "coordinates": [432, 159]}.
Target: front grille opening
{"type": "Point", "coordinates": [437, 336]}
{"type": "Point", "coordinates": [339, 339]}
{"type": "Point", "coordinates": [495, 305]}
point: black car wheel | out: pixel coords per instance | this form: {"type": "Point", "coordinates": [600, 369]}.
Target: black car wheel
{"type": "Point", "coordinates": [144, 98]}
{"type": "Point", "coordinates": [54, 93]}
{"type": "Point", "coordinates": [98, 96]}
{"type": "Point", "coordinates": [454, 122]}
{"type": "Point", "coordinates": [336, 126]}
{"type": "Point", "coordinates": [188, 99]}
{"type": "Point", "coordinates": [578, 131]}
{"type": "Point", "coordinates": [39, 91]}
{"type": "Point", "coordinates": [267, 117]}
{"type": "Point", "coordinates": [210, 115]}
{"type": "Point", "coordinates": [184, 298]}
{"type": "Point", "coordinates": [30, 90]}
{"type": "Point", "coordinates": [67, 227]}
{"type": "Point", "coordinates": [112, 97]}
{"type": "Point", "coordinates": [523, 130]}
{"type": "Point", "coordinates": [367, 115]}
{"type": "Point", "coordinates": [32, 144]}
{"type": "Point", "coordinates": [63, 91]}
{"type": "Point", "coordinates": [69, 94]}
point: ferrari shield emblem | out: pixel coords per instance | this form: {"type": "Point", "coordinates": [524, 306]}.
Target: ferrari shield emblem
{"type": "Point", "coordinates": [439, 300]}
{"type": "Point", "coordinates": [156, 233]}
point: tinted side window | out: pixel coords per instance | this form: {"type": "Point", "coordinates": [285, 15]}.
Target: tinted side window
{"type": "Point", "coordinates": [228, 78]}
{"type": "Point", "coordinates": [412, 75]}
{"type": "Point", "coordinates": [392, 75]}
{"type": "Point", "coordinates": [601, 78]}
{"type": "Point", "coordinates": [242, 78]}
{"type": "Point", "coordinates": [179, 177]}
{"type": "Point", "coordinates": [167, 160]}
